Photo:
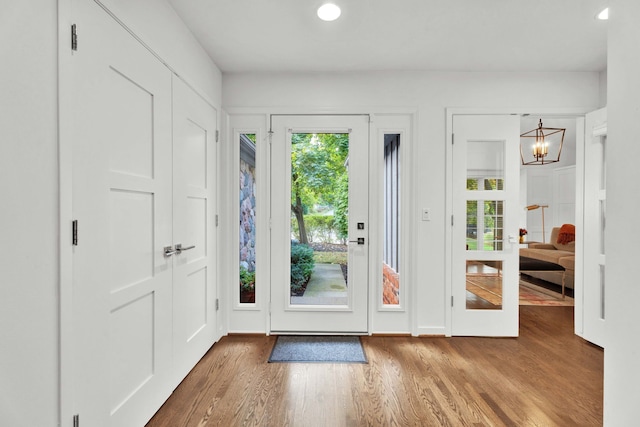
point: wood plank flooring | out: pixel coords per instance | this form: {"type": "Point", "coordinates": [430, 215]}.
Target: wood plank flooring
{"type": "Point", "coordinates": [546, 377]}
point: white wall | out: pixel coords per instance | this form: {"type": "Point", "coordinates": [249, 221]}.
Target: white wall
{"type": "Point", "coordinates": [28, 215]}
{"type": "Point", "coordinates": [603, 88]}
{"type": "Point", "coordinates": [160, 27]}
{"type": "Point", "coordinates": [430, 93]}
{"type": "Point", "coordinates": [622, 355]}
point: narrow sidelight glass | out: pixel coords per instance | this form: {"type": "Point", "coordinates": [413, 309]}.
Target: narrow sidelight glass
{"type": "Point", "coordinates": [247, 218]}
{"type": "Point", "coordinates": [391, 221]}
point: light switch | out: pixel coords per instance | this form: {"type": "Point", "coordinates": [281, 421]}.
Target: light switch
{"type": "Point", "coordinates": [426, 214]}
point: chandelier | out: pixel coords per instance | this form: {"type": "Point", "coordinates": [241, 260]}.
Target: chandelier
{"type": "Point", "coordinates": [546, 146]}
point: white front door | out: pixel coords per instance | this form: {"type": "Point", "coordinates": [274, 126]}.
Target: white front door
{"type": "Point", "coordinates": [319, 184]}
{"type": "Point", "coordinates": [194, 228]}
{"type": "Point", "coordinates": [485, 187]}
{"type": "Point", "coordinates": [122, 296]}
{"type": "Point", "coordinates": [595, 198]}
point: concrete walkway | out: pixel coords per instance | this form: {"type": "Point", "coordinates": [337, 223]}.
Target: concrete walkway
{"type": "Point", "coordinates": [326, 287]}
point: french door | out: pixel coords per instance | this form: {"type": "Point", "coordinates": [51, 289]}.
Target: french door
{"type": "Point", "coordinates": [143, 182]}
{"type": "Point", "coordinates": [485, 187]}
{"type": "Point", "coordinates": [595, 199]}
{"type": "Point", "coordinates": [320, 167]}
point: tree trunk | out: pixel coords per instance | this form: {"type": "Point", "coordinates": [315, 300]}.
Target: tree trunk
{"type": "Point", "coordinates": [299, 213]}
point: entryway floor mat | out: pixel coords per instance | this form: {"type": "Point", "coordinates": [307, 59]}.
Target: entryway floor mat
{"type": "Point", "coordinates": [318, 349]}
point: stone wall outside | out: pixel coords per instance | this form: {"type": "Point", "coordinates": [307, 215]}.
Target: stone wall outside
{"type": "Point", "coordinates": [247, 216]}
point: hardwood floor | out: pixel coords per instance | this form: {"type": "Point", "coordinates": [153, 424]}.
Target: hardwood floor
{"type": "Point", "coordinates": [546, 377]}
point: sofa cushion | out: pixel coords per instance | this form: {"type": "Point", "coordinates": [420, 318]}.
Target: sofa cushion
{"type": "Point", "coordinates": [571, 247]}
{"type": "Point", "coordinates": [535, 245]}
{"type": "Point", "coordinates": [568, 262]}
{"type": "Point", "coordinates": [549, 255]}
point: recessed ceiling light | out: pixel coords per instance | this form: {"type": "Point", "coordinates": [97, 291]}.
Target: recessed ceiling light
{"type": "Point", "coordinates": [604, 15]}
{"type": "Point", "coordinates": [329, 12]}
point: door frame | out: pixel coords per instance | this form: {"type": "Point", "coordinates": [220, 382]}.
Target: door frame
{"type": "Point", "coordinates": [567, 112]}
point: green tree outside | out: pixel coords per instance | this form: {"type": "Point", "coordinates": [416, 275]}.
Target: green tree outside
{"type": "Point", "coordinates": [319, 177]}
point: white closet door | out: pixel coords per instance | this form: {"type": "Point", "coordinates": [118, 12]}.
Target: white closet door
{"type": "Point", "coordinates": [194, 201]}
{"type": "Point", "coordinates": [122, 155]}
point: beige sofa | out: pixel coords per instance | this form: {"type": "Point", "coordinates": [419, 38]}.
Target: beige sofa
{"type": "Point", "coordinates": [563, 255]}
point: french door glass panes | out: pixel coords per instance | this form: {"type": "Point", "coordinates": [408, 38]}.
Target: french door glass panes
{"type": "Point", "coordinates": [485, 225]}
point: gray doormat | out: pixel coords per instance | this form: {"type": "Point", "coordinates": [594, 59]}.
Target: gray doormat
{"type": "Point", "coordinates": [319, 349]}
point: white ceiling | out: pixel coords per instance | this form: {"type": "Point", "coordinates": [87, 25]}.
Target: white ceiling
{"type": "Point", "coordinates": [387, 35]}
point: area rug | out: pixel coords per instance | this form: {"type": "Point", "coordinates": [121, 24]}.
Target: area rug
{"type": "Point", "coordinates": [318, 349]}
{"type": "Point", "coordinates": [488, 288]}
{"type": "Point", "coordinates": [531, 294]}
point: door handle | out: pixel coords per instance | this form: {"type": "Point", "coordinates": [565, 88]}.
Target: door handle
{"type": "Point", "coordinates": [360, 241]}
{"type": "Point", "coordinates": [168, 251]}
{"type": "Point", "coordinates": [180, 249]}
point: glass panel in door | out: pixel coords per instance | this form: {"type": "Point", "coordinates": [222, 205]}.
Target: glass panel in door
{"type": "Point", "coordinates": [319, 218]}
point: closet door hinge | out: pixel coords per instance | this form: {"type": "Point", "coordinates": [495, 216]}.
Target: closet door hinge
{"type": "Point", "coordinates": [74, 37]}
{"type": "Point", "coordinates": [451, 300]}
{"type": "Point", "coordinates": [452, 220]}
{"type": "Point", "coordinates": [217, 304]}
{"type": "Point", "coordinates": [217, 218]}
{"type": "Point", "coordinates": [217, 135]}
{"type": "Point", "coordinates": [74, 232]}
{"type": "Point", "coordinates": [76, 420]}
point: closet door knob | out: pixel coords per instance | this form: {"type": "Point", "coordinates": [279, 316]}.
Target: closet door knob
{"type": "Point", "coordinates": [180, 249]}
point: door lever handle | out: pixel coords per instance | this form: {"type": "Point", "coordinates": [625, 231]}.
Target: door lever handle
{"type": "Point", "coordinates": [360, 241]}
{"type": "Point", "coordinates": [180, 249]}
{"type": "Point", "coordinates": [168, 251]}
